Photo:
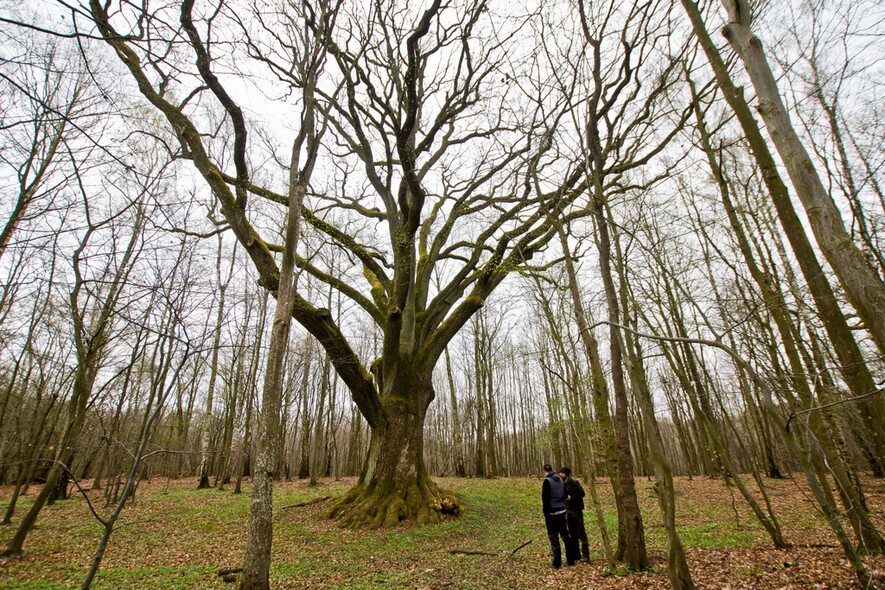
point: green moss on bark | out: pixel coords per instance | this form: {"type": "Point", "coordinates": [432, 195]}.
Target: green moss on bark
{"type": "Point", "coordinates": [364, 508]}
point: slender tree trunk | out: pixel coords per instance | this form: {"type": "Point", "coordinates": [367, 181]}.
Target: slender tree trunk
{"type": "Point", "coordinates": [852, 363]}
{"type": "Point", "coordinates": [208, 421]}
{"type": "Point", "coordinates": [316, 441]}
{"type": "Point", "coordinates": [163, 388]}
{"type": "Point", "coordinates": [635, 551]}
{"type": "Point", "coordinates": [479, 407]}
{"type": "Point", "coordinates": [553, 426]}
{"type": "Point", "coordinates": [246, 448]}
{"type": "Point", "coordinates": [304, 444]}
{"type": "Point", "coordinates": [460, 471]}
{"type": "Point", "coordinates": [677, 565]}
{"type": "Point", "coordinates": [256, 569]}
{"type": "Point", "coordinates": [234, 398]}
{"type": "Point", "coordinates": [600, 388]}
{"type": "Point", "coordinates": [90, 342]}
{"type": "Point", "coordinates": [355, 444]}
{"type": "Point", "coordinates": [864, 287]}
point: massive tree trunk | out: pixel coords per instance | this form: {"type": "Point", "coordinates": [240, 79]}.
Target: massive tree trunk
{"type": "Point", "coordinates": [394, 484]}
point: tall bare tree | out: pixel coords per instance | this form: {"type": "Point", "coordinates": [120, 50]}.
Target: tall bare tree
{"type": "Point", "coordinates": [616, 139]}
{"type": "Point", "coordinates": [94, 314]}
{"type": "Point", "coordinates": [208, 421]}
{"type": "Point", "coordinates": [852, 364]}
{"type": "Point", "coordinates": [408, 123]}
{"type": "Point", "coordinates": [47, 102]}
{"type": "Point", "coordinates": [865, 288]}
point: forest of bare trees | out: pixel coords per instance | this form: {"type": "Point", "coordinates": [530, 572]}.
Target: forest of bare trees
{"type": "Point", "coordinates": [248, 241]}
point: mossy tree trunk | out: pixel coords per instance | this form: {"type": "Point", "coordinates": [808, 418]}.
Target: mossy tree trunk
{"type": "Point", "coordinates": [635, 552]}
{"type": "Point", "coordinates": [394, 484]}
{"type": "Point", "coordinates": [443, 253]}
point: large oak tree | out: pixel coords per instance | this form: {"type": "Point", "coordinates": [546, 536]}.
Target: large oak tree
{"type": "Point", "coordinates": [424, 191]}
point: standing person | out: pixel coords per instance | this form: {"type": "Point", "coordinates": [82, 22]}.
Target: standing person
{"type": "Point", "coordinates": [574, 512]}
{"type": "Point", "coordinates": [553, 500]}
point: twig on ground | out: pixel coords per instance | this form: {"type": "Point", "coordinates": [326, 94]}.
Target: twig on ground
{"type": "Point", "coordinates": [512, 553]}
{"type": "Point", "coordinates": [499, 553]}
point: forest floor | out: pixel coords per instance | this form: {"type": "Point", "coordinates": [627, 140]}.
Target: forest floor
{"type": "Point", "coordinates": [177, 537]}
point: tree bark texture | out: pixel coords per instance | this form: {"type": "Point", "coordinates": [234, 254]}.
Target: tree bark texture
{"type": "Point", "coordinates": [636, 554]}
{"type": "Point", "coordinates": [394, 484]}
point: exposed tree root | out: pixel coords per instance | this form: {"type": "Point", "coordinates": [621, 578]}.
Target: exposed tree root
{"type": "Point", "coordinates": [363, 507]}
{"type": "Point", "coordinates": [232, 570]}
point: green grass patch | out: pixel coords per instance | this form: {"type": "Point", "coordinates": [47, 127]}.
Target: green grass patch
{"type": "Point", "coordinates": [174, 536]}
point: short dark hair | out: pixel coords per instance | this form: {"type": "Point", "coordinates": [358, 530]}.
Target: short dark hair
{"type": "Point", "coordinates": [547, 467]}
{"type": "Point", "coordinates": [566, 471]}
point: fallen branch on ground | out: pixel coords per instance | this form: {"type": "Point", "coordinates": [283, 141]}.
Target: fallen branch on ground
{"type": "Point", "coordinates": [512, 553]}
{"type": "Point", "coordinates": [499, 553]}
{"type": "Point", "coordinates": [233, 570]}
{"type": "Point", "coordinates": [230, 575]}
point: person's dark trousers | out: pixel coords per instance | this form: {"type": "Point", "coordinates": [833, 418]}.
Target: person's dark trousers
{"type": "Point", "coordinates": [575, 521]}
{"type": "Point", "coordinates": [557, 527]}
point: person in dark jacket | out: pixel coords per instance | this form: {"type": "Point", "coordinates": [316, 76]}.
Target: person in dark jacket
{"type": "Point", "coordinates": [574, 512]}
{"type": "Point", "coordinates": [553, 500]}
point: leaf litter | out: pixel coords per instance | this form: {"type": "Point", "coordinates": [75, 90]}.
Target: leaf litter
{"type": "Point", "coordinates": [177, 537]}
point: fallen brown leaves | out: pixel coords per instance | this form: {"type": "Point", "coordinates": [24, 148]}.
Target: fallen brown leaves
{"type": "Point", "coordinates": [177, 537]}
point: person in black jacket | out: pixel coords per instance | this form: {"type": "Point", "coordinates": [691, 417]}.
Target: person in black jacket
{"type": "Point", "coordinates": [553, 500]}
{"type": "Point", "coordinates": [574, 512]}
